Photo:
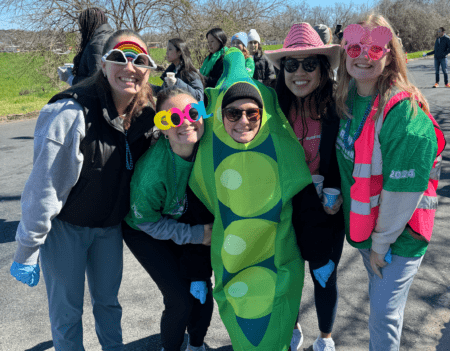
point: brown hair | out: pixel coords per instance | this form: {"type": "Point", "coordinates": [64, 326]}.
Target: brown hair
{"type": "Point", "coordinates": [394, 74]}
{"type": "Point", "coordinates": [319, 102]}
{"type": "Point", "coordinates": [142, 99]}
{"type": "Point", "coordinates": [246, 53]}
{"type": "Point", "coordinates": [167, 93]}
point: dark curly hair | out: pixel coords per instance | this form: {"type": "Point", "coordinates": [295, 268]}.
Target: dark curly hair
{"type": "Point", "coordinates": [89, 20]}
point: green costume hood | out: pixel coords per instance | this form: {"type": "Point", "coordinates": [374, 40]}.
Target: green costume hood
{"type": "Point", "coordinates": [249, 188]}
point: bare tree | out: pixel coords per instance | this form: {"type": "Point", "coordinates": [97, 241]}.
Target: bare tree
{"type": "Point", "coordinates": [137, 15]}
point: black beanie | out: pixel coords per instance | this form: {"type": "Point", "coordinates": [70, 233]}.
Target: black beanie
{"type": "Point", "coordinates": [242, 91]}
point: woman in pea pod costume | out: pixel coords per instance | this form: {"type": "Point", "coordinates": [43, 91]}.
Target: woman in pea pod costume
{"type": "Point", "coordinates": [249, 187]}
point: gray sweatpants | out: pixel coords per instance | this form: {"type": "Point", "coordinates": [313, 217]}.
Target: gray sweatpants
{"type": "Point", "coordinates": [69, 253]}
{"type": "Point", "coordinates": [388, 299]}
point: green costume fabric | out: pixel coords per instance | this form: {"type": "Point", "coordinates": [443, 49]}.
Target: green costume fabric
{"type": "Point", "coordinates": [154, 190]}
{"type": "Point", "coordinates": [250, 66]}
{"type": "Point", "coordinates": [405, 142]}
{"type": "Point", "coordinates": [211, 60]}
{"type": "Point", "coordinates": [258, 269]}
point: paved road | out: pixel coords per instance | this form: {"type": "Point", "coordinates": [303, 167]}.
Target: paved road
{"type": "Point", "coordinates": [24, 323]}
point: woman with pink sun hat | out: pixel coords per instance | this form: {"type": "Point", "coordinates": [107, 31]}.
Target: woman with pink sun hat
{"type": "Point", "coordinates": [305, 87]}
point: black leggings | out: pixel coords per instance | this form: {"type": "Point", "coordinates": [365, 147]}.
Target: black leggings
{"type": "Point", "coordinates": [326, 299]}
{"type": "Point", "coordinates": [161, 259]}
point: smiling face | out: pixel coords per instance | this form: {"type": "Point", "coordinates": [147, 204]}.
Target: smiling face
{"type": "Point", "coordinates": [188, 133]}
{"type": "Point", "coordinates": [125, 81]}
{"type": "Point", "coordinates": [242, 131]}
{"type": "Point", "coordinates": [300, 82]}
{"type": "Point", "coordinates": [213, 44]}
{"type": "Point", "coordinates": [237, 44]}
{"type": "Point", "coordinates": [253, 47]}
{"type": "Point", "coordinates": [172, 54]}
{"type": "Point", "coordinates": [366, 71]}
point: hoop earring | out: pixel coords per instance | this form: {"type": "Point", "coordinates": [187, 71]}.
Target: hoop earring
{"type": "Point", "coordinates": [166, 136]}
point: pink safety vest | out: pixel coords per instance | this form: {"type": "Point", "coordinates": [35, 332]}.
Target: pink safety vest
{"type": "Point", "coordinates": [368, 175]}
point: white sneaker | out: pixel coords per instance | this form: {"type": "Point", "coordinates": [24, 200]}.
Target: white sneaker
{"type": "Point", "coordinates": [297, 338]}
{"type": "Point", "coordinates": [193, 348]}
{"type": "Point", "coordinates": [326, 344]}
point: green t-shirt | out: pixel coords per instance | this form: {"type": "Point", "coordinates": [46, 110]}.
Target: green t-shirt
{"type": "Point", "coordinates": [153, 190]}
{"type": "Point", "coordinates": [250, 66]}
{"type": "Point", "coordinates": [408, 148]}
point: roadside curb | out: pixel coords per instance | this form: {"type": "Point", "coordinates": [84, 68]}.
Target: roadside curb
{"type": "Point", "coordinates": [19, 117]}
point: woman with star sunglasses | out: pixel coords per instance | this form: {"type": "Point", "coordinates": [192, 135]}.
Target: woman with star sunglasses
{"type": "Point", "coordinates": [388, 151]}
{"type": "Point", "coordinates": [86, 143]}
{"type": "Point", "coordinates": [305, 88]}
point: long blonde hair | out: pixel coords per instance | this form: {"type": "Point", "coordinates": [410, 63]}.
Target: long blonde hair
{"type": "Point", "coordinates": [393, 76]}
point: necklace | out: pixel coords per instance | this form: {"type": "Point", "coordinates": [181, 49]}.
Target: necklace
{"type": "Point", "coordinates": [128, 157]}
{"type": "Point", "coordinates": [349, 145]}
{"type": "Point", "coordinates": [181, 206]}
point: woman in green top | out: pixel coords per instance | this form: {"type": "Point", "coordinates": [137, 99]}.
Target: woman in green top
{"type": "Point", "coordinates": [212, 67]}
{"type": "Point", "coordinates": [164, 222]}
{"type": "Point", "coordinates": [240, 41]}
{"type": "Point", "coordinates": [371, 70]}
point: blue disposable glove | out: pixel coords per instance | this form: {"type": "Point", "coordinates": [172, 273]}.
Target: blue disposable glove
{"type": "Point", "coordinates": [388, 257]}
{"type": "Point", "coordinates": [323, 273]}
{"type": "Point", "coordinates": [27, 274]}
{"type": "Point", "coordinates": [199, 291]}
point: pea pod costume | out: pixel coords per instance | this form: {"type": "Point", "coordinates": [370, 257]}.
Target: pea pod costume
{"type": "Point", "coordinates": [258, 269]}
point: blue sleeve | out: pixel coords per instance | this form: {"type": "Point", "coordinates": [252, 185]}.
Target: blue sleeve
{"type": "Point", "coordinates": [195, 87]}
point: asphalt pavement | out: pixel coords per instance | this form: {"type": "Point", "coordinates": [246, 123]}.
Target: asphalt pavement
{"type": "Point", "coordinates": [24, 322]}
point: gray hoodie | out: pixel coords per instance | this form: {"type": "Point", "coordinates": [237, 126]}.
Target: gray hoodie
{"type": "Point", "coordinates": [57, 163]}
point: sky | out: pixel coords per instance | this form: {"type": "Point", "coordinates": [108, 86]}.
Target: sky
{"type": "Point", "coordinates": [5, 17]}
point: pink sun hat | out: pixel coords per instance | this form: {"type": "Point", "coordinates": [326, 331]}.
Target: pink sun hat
{"type": "Point", "coordinates": [303, 39]}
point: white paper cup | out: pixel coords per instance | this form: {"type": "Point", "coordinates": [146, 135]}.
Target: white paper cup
{"type": "Point", "coordinates": [318, 183]}
{"type": "Point", "coordinates": [170, 74]}
{"type": "Point", "coordinates": [330, 196]}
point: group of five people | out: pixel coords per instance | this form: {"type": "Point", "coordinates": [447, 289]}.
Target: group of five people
{"type": "Point", "coordinates": [228, 188]}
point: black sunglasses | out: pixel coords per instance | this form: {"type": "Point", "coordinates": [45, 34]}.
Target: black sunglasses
{"type": "Point", "coordinates": [234, 114]}
{"type": "Point", "coordinates": [176, 119]}
{"type": "Point", "coordinates": [309, 64]}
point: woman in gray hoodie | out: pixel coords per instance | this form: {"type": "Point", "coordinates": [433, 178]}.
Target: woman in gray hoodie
{"type": "Point", "coordinates": [86, 142]}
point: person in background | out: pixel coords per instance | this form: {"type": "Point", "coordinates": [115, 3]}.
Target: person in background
{"type": "Point", "coordinates": [305, 88]}
{"type": "Point", "coordinates": [325, 33]}
{"type": "Point", "coordinates": [95, 31]}
{"type": "Point", "coordinates": [186, 76]}
{"type": "Point", "coordinates": [327, 38]}
{"type": "Point", "coordinates": [86, 142]}
{"type": "Point", "coordinates": [399, 39]}
{"type": "Point", "coordinates": [167, 225]}
{"type": "Point", "coordinates": [240, 41]}
{"type": "Point", "coordinates": [388, 151]}
{"type": "Point", "coordinates": [263, 67]}
{"type": "Point", "coordinates": [440, 52]}
{"type": "Point", "coordinates": [212, 66]}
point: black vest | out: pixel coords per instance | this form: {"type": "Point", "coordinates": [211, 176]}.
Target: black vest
{"type": "Point", "coordinates": [101, 197]}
